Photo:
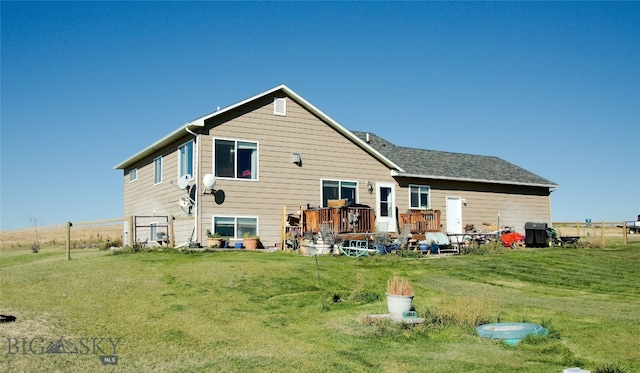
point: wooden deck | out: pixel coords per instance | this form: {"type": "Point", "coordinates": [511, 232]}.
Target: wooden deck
{"type": "Point", "coordinates": [346, 219]}
{"type": "Point", "coordinates": [421, 221]}
{"type": "Point", "coordinates": [340, 219]}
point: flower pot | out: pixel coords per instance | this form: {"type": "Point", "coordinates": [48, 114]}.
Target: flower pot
{"type": "Point", "coordinates": [238, 245]}
{"type": "Point", "coordinates": [304, 250]}
{"type": "Point", "coordinates": [398, 304]}
{"type": "Point", "coordinates": [250, 243]}
{"type": "Point", "coordinates": [214, 242]}
{"type": "Point", "coordinates": [380, 249]}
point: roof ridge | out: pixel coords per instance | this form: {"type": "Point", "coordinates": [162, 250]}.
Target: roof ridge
{"type": "Point", "coordinates": [423, 149]}
{"type": "Point", "coordinates": [447, 152]}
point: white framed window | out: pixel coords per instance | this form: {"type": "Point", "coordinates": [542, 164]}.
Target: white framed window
{"type": "Point", "coordinates": [280, 106]}
{"type": "Point", "coordinates": [339, 189]}
{"type": "Point", "coordinates": [157, 170]}
{"type": "Point", "coordinates": [419, 196]}
{"type": "Point", "coordinates": [235, 159]}
{"type": "Point", "coordinates": [133, 175]}
{"type": "Point", "coordinates": [185, 159]}
{"type": "Point", "coordinates": [235, 227]}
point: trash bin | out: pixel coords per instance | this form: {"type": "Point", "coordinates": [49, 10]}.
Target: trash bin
{"type": "Point", "coordinates": [536, 235]}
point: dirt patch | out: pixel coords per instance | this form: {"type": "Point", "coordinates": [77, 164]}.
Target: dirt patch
{"type": "Point", "coordinates": [27, 325]}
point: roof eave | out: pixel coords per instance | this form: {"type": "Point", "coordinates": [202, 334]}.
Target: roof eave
{"type": "Point", "coordinates": [504, 182]}
{"type": "Point", "coordinates": [158, 145]}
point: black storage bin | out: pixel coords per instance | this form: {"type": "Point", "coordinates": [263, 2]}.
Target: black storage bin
{"type": "Point", "coordinates": [536, 235]}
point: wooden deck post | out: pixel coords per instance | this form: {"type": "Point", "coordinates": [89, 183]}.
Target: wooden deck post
{"type": "Point", "coordinates": [172, 239]}
{"type": "Point", "coordinates": [131, 231]}
{"type": "Point", "coordinates": [68, 233]}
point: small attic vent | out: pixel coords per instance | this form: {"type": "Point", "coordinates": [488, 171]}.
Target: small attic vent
{"type": "Point", "coordinates": [280, 106]}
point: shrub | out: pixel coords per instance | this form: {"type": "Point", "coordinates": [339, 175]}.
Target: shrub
{"type": "Point", "coordinates": [109, 244]}
{"type": "Point", "coordinates": [488, 248]}
{"type": "Point", "coordinates": [609, 368]}
{"type": "Point", "coordinates": [463, 312]}
{"type": "Point", "coordinates": [360, 294]}
{"type": "Point", "coordinates": [406, 253]}
{"type": "Point", "coordinates": [398, 286]}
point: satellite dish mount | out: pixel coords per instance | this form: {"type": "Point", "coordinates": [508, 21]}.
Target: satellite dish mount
{"type": "Point", "coordinates": [186, 203]}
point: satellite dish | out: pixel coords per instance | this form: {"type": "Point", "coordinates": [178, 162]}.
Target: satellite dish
{"type": "Point", "coordinates": [184, 202]}
{"type": "Point", "coordinates": [183, 181]}
{"type": "Point", "coordinates": [209, 181]}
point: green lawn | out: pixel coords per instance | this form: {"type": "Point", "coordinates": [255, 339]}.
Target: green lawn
{"type": "Point", "coordinates": [251, 311]}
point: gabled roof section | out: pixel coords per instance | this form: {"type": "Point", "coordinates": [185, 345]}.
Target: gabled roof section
{"type": "Point", "coordinates": [193, 125]}
{"type": "Point", "coordinates": [422, 163]}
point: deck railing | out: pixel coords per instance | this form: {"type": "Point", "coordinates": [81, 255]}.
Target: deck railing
{"type": "Point", "coordinates": [340, 219]}
{"type": "Point", "coordinates": [421, 221]}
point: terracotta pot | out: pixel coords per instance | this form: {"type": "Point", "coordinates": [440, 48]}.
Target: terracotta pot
{"type": "Point", "coordinates": [250, 243]}
{"type": "Point", "coordinates": [214, 242]}
{"type": "Point", "coordinates": [304, 250]}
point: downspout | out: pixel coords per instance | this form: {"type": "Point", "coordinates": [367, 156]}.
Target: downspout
{"type": "Point", "coordinates": [196, 169]}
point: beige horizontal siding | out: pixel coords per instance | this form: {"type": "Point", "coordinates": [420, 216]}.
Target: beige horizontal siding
{"type": "Point", "coordinates": [143, 198]}
{"type": "Point", "coordinates": [516, 205]}
{"type": "Point", "coordinates": [325, 154]}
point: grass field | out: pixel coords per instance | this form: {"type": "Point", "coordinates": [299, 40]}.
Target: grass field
{"type": "Point", "coordinates": [251, 311]}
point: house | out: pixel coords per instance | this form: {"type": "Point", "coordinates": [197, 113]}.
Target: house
{"type": "Point", "coordinates": [277, 149]}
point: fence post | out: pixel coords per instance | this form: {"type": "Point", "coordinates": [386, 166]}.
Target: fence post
{"type": "Point", "coordinates": [132, 230]}
{"type": "Point", "coordinates": [172, 240]}
{"type": "Point", "coordinates": [68, 233]}
{"type": "Point", "coordinates": [624, 232]}
{"type": "Point", "coordinates": [602, 234]}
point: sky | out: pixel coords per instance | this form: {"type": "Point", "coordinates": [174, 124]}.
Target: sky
{"type": "Point", "coordinates": [553, 87]}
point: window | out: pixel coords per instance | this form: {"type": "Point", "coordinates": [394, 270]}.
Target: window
{"type": "Point", "coordinates": [185, 159]}
{"type": "Point", "coordinates": [234, 226]}
{"type": "Point", "coordinates": [335, 189]}
{"type": "Point", "coordinates": [133, 175]}
{"type": "Point", "coordinates": [157, 170]}
{"type": "Point", "coordinates": [236, 159]}
{"type": "Point", "coordinates": [419, 196]}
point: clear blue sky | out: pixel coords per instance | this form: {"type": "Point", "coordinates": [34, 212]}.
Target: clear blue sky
{"type": "Point", "coordinates": [551, 87]}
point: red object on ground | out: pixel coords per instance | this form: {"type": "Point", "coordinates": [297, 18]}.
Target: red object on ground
{"type": "Point", "coordinates": [509, 239]}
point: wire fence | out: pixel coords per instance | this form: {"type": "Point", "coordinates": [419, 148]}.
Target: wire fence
{"type": "Point", "coordinates": [87, 234]}
{"type": "Point", "coordinates": [600, 233]}
{"type": "Point", "coordinates": [109, 232]}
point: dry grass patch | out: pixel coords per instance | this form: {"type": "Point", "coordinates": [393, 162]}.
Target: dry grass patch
{"type": "Point", "coordinates": [56, 236]}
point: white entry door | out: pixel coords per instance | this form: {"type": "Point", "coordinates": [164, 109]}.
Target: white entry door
{"type": "Point", "coordinates": [454, 215]}
{"type": "Point", "coordinates": [385, 207]}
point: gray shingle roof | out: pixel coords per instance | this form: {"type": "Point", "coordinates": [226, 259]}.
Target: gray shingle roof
{"type": "Point", "coordinates": [453, 166]}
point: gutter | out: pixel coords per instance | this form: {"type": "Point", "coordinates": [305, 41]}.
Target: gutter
{"type": "Point", "coordinates": [487, 181]}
